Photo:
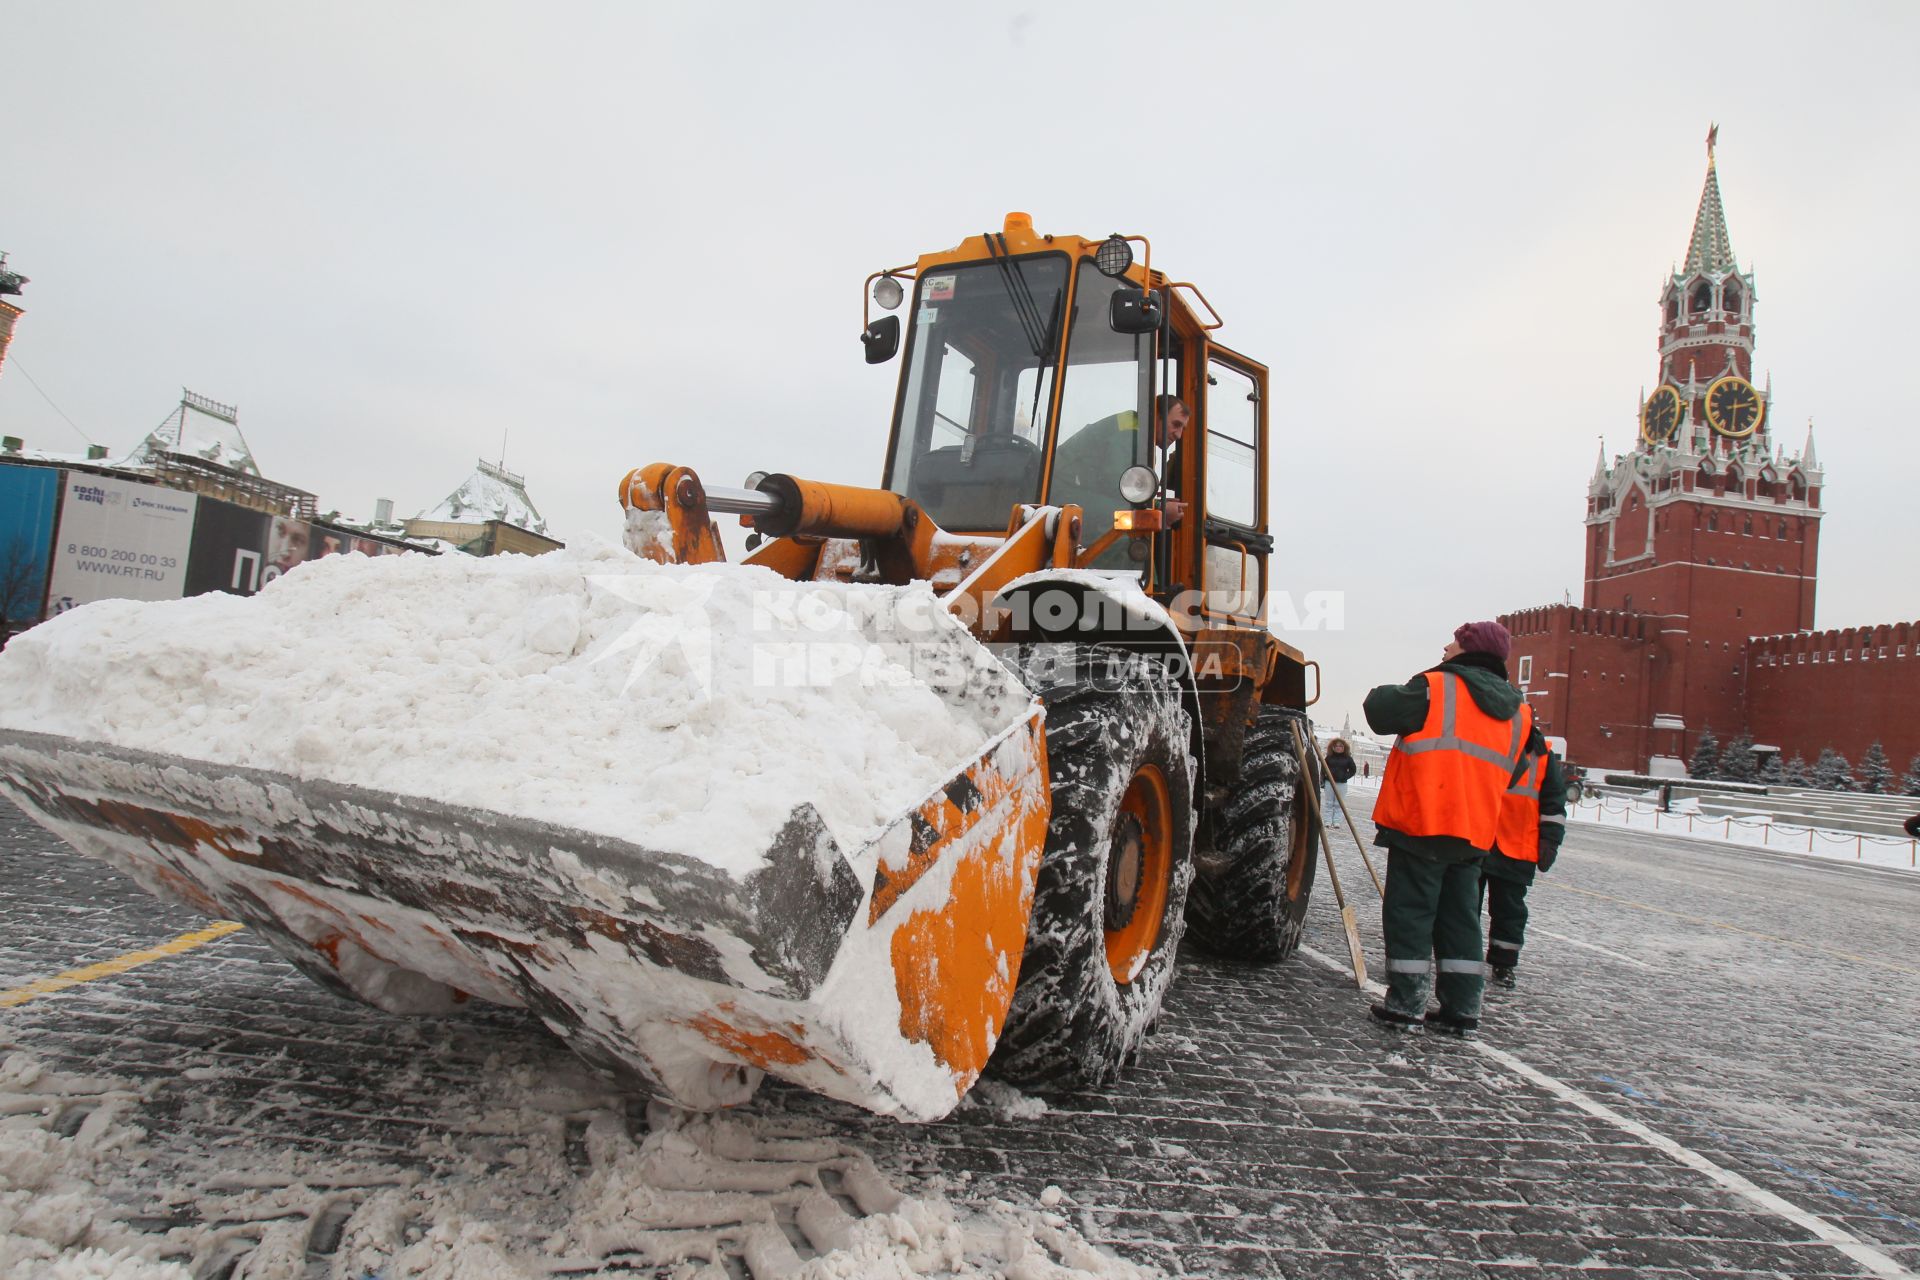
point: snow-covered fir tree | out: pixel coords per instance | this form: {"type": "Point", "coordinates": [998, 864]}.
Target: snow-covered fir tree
{"type": "Point", "coordinates": [1772, 773]}
{"type": "Point", "coordinates": [1876, 771]}
{"type": "Point", "coordinates": [1832, 773]}
{"type": "Point", "coordinates": [1736, 762]}
{"type": "Point", "coordinates": [1705, 755]}
{"type": "Point", "coordinates": [1795, 774]}
{"type": "Point", "coordinates": [1910, 785]}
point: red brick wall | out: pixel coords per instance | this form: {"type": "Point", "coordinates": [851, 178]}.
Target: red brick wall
{"type": "Point", "coordinates": [1835, 689]}
{"type": "Point", "coordinates": [1589, 680]}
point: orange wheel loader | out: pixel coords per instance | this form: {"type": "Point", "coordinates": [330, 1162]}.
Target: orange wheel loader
{"type": "Point", "coordinates": [1076, 484]}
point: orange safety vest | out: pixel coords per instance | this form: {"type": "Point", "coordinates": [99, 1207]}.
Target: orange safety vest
{"type": "Point", "coordinates": [1447, 777]}
{"type": "Point", "coordinates": [1519, 835]}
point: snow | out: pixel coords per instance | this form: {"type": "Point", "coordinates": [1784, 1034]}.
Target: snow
{"type": "Point", "coordinates": [1685, 819]}
{"type": "Point", "coordinates": [54, 1224]}
{"type": "Point", "coordinates": [650, 534]}
{"type": "Point", "coordinates": [534, 1172]}
{"type": "Point", "coordinates": [687, 708]}
{"type": "Point", "coordinates": [1122, 588]}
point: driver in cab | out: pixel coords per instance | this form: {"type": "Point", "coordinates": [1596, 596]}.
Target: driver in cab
{"type": "Point", "coordinates": [1087, 465]}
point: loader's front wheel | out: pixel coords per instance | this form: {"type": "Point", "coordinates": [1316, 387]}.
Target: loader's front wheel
{"type": "Point", "coordinates": [1109, 903]}
{"type": "Point", "coordinates": [1253, 876]}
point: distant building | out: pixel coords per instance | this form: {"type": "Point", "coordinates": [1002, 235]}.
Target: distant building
{"type": "Point", "coordinates": [1702, 553]}
{"type": "Point", "coordinates": [11, 282]}
{"type": "Point", "coordinates": [202, 429]}
{"type": "Point", "coordinates": [490, 513]}
{"type": "Point", "coordinates": [200, 448]}
{"type": "Point", "coordinates": [186, 512]}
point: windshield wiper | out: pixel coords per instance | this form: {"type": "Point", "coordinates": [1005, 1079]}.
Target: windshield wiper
{"type": "Point", "coordinates": [1039, 333]}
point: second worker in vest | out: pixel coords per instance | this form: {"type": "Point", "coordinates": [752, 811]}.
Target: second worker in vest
{"type": "Point", "coordinates": [1533, 819]}
{"type": "Point", "coordinates": [1461, 729]}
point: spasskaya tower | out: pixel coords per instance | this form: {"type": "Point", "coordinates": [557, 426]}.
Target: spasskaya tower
{"type": "Point", "coordinates": [1701, 536]}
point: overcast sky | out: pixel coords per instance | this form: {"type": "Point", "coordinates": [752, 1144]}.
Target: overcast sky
{"type": "Point", "coordinates": [618, 233]}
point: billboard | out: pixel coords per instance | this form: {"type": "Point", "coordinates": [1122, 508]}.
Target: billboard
{"type": "Point", "coordinates": [331, 540]}
{"type": "Point", "coordinates": [119, 540]}
{"type": "Point", "coordinates": [229, 549]}
{"type": "Point", "coordinates": [239, 550]}
{"type": "Point", "coordinates": [29, 497]}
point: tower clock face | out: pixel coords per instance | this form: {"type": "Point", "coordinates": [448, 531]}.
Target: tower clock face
{"type": "Point", "coordinates": [1734, 408]}
{"type": "Point", "coordinates": [1660, 418]}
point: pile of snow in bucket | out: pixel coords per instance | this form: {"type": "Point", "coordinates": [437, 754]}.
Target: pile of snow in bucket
{"type": "Point", "coordinates": [686, 708]}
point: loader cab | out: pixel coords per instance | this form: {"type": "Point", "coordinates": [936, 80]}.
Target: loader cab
{"type": "Point", "coordinates": [996, 352]}
{"type": "Point", "coordinates": [1017, 387]}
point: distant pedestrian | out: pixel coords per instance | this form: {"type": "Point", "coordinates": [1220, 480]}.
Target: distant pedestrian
{"type": "Point", "coordinates": [1340, 771]}
{"type": "Point", "coordinates": [1460, 730]}
{"type": "Point", "coordinates": [1366, 768]}
{"type": "Point", "coordinates": [1533, 819]}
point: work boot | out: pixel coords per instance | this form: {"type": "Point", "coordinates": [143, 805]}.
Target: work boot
{"type": "Point", "coordinates": [1501, 975]}
{"type": "Point", "coordinates": [1452, 1024]}
{"type": "Point", "coordinates": [1394, 1020]}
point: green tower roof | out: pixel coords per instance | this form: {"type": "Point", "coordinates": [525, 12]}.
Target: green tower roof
{"type": "Point", "coordinates": [1710, 251]}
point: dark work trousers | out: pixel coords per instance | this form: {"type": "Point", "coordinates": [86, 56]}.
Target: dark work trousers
{"type": "Point", "coordinates": [1506, 920]}
{"type": "Point", "coordinates": [1432, 911]}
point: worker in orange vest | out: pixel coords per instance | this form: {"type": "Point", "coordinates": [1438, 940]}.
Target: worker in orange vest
{"type": "Point", "coordinates": [1460, 728]}
{"type": "Point", "coordinates": [1533, 818]}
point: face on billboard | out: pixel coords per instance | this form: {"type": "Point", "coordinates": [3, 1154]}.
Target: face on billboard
{"type": "Point", "coordinates": [288, 544]}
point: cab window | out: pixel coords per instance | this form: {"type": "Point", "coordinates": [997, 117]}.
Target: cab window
{"type": "Point", "coordinates": [1233, 431]}
{"type": "Point", "coordinates": [982, 347]}
{"type": "Point", "coordinates": [1104, 428]}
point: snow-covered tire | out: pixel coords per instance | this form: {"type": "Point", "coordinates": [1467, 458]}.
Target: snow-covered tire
{"type": "Point", "coordinates": [1121, 767]}
{"type": "Point", "coordinates": [1251, 882]}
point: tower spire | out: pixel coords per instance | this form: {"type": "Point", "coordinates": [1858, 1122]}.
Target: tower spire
{"type": "Point", "coordinates": [1710, 251]}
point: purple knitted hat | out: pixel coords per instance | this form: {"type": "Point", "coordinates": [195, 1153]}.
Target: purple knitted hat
{"type": "Point", "coordinates": [1483, 637]}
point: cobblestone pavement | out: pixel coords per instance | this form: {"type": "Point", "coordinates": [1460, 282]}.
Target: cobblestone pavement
{"type": "Point", "coordinates": [1758, 1011]}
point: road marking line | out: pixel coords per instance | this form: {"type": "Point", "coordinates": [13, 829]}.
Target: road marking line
{"type": "Point", "coordinates": [1874, 1260]}
{"type": "Point", "coordinates": [1575, 942]}
{"type": "Point", "coordinates": [1751, 933]}
{"type": "Point", "coordinates": [119, 964]}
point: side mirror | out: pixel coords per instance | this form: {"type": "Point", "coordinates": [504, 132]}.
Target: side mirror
{"type": "Point", "coordinates": [1133, 311]}
{"type": "Point", "coordinates": [881, 339]}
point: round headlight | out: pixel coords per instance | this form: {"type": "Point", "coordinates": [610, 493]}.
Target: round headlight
{"type": "Point", "coordinates": [1114, 256]}
{"type": "Point", "coordinates": [887, 292]}
{"type": "Point", "coordinates": [1137, 484]}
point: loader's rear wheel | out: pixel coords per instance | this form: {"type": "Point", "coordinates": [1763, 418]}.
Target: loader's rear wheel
{"type": "Point", "coordinates": [1108, 905]}
{"type": "Point", "coordinates": [1252, 881]}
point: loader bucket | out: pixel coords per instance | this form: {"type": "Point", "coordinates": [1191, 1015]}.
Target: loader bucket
{"type": "Point", "coordinates": [876, 969]}
{"type": "Point", "coordinates": [879, 976]}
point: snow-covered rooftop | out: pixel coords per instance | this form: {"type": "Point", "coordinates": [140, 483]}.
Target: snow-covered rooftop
{"type": "Point", "coordinates": [201, 428]}
{"type": "Point", "coordinates": [490, 493]}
